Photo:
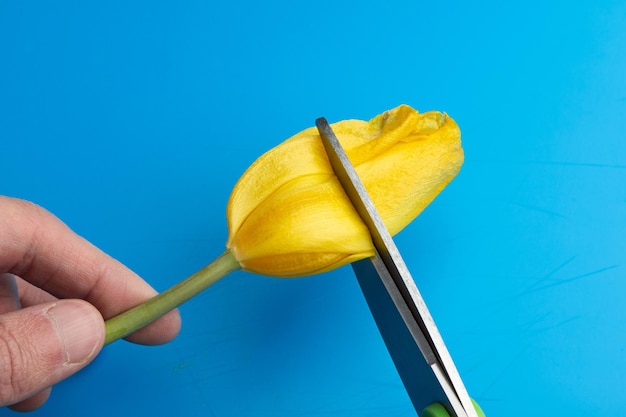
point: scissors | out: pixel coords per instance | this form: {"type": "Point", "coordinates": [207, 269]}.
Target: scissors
{"type": "Point", "coordinates": [406, 326]}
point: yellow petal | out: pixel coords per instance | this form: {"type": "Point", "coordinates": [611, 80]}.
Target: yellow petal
{"type": "Point", "coordinates": [306, 226]}
{"type": "Point", "coordinates": [289, 216]}
{"type": "Point", "coordinates": [407, 177]}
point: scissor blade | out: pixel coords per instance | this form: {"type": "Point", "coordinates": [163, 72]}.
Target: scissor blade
{"type": "Point", "coordinates": [418, 375]}
{"type": "Point", "coordinates": [406, 299]}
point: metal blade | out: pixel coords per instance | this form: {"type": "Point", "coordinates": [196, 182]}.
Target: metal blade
{"type": "Point", "coordinates": [444, 381]}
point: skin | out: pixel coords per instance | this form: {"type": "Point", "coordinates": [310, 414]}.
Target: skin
{"type": "Point", "coordinates": [56, 290]}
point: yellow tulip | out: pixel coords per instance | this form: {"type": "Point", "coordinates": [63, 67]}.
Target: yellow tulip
{"type": "Point", "coordinates": [289, 216]}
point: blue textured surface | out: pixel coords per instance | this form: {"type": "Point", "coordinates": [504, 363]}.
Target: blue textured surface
{"type": "Point", "coordinates": [132, 121]}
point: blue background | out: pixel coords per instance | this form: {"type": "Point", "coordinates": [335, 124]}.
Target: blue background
{"type": "Point", "coordinates": [131, 121]}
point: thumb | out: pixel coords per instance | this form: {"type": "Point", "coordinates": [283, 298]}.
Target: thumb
{"type": "Point", "coordinates": [43, 344]}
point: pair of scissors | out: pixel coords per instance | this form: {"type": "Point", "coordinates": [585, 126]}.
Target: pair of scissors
{"type": "Point", "coordinates": [406, 326]}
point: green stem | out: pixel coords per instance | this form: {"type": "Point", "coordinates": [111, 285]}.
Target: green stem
{"type": "Point", "coordinates": [137, 317]}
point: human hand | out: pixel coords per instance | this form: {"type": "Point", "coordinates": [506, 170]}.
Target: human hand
{"type": "Point", "coordinates": [55, 290]}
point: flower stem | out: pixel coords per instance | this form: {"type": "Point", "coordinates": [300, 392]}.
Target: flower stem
{"type": "Point", "coordinates": [139, 316]}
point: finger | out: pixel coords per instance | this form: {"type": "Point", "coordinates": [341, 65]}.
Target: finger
{"type": "Point", "coordinates": [10, 301]}
{"type": "Point", "coordinates": [38, 247]}
{"type": "Point", "coordinates": [33, 402]}
{"type": "Point", "coordinates": [41, 345]}
{"type": "Point", "coordinates": [30, 295]}
{"type": "Point", "coordinates": [9, 297]}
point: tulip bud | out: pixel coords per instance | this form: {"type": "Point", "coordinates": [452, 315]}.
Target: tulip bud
{"type": "Point", "coordinates": [288, 215]}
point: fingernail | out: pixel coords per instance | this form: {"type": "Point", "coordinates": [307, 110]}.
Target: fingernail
{"type": "Point", "coordinates": [80, 328]}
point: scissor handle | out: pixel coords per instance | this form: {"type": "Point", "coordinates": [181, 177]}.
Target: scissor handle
{"type": "Point", "coordinates": [438, 410]}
